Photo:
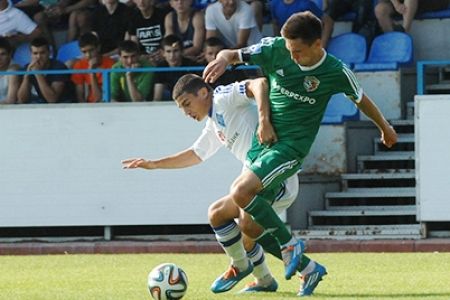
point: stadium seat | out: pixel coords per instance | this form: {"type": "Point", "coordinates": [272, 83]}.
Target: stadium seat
{"type": "Point", "coordinates": [319, 3]}
{"type": "Point", "coordinates": [22, 55]}
{"type": "Point", "coordinates": [340, 109]}
{"type": "Point", "coordinates": [349, 47]}
{"type": "Point", "coordinates": [389, 51]}
{"type": "Point", "coordinates": [69, 51]}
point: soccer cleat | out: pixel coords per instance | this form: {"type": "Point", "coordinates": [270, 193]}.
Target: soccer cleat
{"type": "Point", "coordinates": [291, 257]}
{"type": "Point", "coordinates": [229, 279]}
{"type": "Point", "coordinates": [311, 280]}
{"type": "Point", "coordinates": [254, 287]}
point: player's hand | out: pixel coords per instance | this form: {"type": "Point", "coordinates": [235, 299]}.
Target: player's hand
{"type": "Point", "coordinates": [134, 163]}
{"type": "Point", "coordinates": [389, 137]}
{"type": "Point", "coordinates": [215, 69]}
{"type": "Point", "coordinates": [266, 134]}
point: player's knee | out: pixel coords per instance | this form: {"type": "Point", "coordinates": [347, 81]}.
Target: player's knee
{"type": "Point", "coordinates": [242, 195]}
{"type": "Point", "coordinates": [213, 214]}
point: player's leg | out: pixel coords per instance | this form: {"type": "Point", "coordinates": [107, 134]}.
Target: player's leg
{"type": "Point", "coordinates": [264, 281]}
{"type": "Point", "coordinates": [311, 272]}
{"type": "Point", "coordinates": [269, 168]}
{"type": "Point", "coordinates": [221, 216]}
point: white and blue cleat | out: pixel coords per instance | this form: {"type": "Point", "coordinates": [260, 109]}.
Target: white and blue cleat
{"type": "Point", "coordinates": [229, 279]}
{"type": "Point", "coordinates": [291, 258]}
{"type": "Point", "coordinates": [311, 280]}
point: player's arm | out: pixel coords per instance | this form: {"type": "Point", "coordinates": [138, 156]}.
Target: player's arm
{"type": "Point", "coordinates": [259, 89]}
{"type": "Point", "coordinates": [183, 159]}
{"type": "Point", "coordinates": [369, 108]}
{"type": "Point", "coordinates": [218, 66]}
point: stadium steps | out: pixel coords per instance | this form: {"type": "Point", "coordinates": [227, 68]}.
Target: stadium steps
{"type": "Point", "coordinates": [376, 202]}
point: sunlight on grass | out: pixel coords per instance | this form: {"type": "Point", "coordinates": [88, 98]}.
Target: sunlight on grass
{"type": "Point", "coordinates": [351, 276]}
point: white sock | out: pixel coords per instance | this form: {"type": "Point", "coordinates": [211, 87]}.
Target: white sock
{"type": "Point", "coordinates": [260, 269]}
{"type": "Point", "coordinates": [230, 238]}
{"type": "Point", "coordinates": [291, 242]}
{"type": "Point", "coordinates": [309, 268]}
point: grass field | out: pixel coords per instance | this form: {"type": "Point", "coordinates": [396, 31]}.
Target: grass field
{"type": "Point", "coordinates": [123, 277]}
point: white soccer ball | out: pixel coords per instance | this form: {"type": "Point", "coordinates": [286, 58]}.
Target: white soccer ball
{"type": "Point", "coordinates": [167, 282]}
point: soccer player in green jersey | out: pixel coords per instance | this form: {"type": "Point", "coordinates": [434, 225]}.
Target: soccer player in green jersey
{"type": "Point", "coordinates": [302, 78]}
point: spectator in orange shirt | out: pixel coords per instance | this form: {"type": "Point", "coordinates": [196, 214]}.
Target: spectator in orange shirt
{"type": "Point", "coordinates": [90, 82]}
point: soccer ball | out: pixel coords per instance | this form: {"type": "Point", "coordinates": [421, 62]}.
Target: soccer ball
{"type": "Point", "coordinates": [167, 282]}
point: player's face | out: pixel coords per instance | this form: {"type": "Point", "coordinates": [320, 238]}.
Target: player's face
{"type": "Point", "coordinates": [303, 53]}
{"type": "Point", "coordinates": [194, 105]}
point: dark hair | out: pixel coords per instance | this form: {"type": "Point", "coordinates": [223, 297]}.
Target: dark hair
{"type": "Point", "coordinates": [128, 46]}
{"type": "Point", "coordinates": [40, 42]}
{"type": "Point", "coordinates": [171, 40]}
{"type": "Point", "coordinates": [214, 42]}
{"type": "Point", "coordinates": [4, 44]}
{"type": "Point", "coordinates": [303, 25]}
{"type": "Point", "coordinates": [189, 83]}
{"type": "Point", "coordinates": [89, 39]}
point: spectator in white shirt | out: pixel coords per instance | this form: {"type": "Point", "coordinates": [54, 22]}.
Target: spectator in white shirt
{"type": "Point", "coordinates": [233, 21]}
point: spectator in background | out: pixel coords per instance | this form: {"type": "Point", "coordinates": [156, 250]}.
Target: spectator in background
{"type": "Point", "coordinates": [211, 49]}
{"type": "Point", "coordinates": [88, 86]}
{"type": "Point", "coordinates": [363, 22]}
{"type": "Point", "coordinates": [129, 86]}
{"type": "Point", "coordinates": [147, 29]}
{"type": "Point", "coordinates": [387, 10]}
{"type": "Point", "coordinates": [9, 84]}
{"type": "Point", "coordinates": [233, 21]}
{"type": "Point", "coordinates": [41, 88]}
{"type": "Point", "coordinates": [70, 14]}
{"type": "Point", "coordinates": [283, 9]}
{"type": "Point", "coordinates": [15, 25]}
{"type": "Point", "coordinates": [172, 49]}
{"type": "Point", "coordinates": [188, 24]}
{"type": "Point", "coordinates": [31, 8]}
{"type": "Point", "coordinates": [258, 10]}
{"type": "Point", "coordinates": [110, 22]}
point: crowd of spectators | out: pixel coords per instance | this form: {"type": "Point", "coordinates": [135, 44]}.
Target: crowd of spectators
{"type": "Point", "coordinates": [128, 34]}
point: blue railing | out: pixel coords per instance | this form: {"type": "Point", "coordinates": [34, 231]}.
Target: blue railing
{"type": "Point", "coordinates": [106, 80]}
{"type": "Point", "coordinates": [421, 72]}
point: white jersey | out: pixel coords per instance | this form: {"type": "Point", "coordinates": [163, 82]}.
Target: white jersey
{"type": "Point", "coordinates": [232, 123]}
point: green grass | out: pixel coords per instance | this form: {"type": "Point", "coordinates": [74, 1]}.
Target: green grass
{"type": "Point", "coordinates": [123, 277]}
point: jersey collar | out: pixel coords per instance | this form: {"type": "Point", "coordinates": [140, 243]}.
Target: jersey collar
{"type": "Point", "coordinates": [310, 68]}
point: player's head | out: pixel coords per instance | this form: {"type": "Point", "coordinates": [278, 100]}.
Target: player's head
{"type": "Point", "coordinates": [172, 50]}
{"type": "Point", "coordinates": [212, 47]}
{"type": "Point", "coordinates": [89, 45]}
{"type": "Point", "coordinates": [129, 53]}
{"type": "Point", "coordinates": [302, 32]}
{"type": "Point", "coordinates": [193, 96]}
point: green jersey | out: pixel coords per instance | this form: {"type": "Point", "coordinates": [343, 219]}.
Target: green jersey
{"type": "Point", "coordinates": [299, 95]}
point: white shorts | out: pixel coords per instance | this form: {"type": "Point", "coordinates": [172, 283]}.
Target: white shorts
{"type": "Point", "coordinates": [288, 196]}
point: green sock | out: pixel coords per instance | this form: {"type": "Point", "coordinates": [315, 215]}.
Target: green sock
{"type": "Point", "coordinates": [264, 215]}
{"type": "Point", "coordinates": [270, 245]}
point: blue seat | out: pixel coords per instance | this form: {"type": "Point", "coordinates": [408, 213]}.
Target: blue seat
{"type": "Point", "coordinates": [349, 47]}
{"type": "Point", "coordinates": [22, 55]}
{"type": "Point", "coordinates": [319, 3]}
{"type": "Point", "coordinates": [389, 51]}
{"type": "Point", "coordinates": [69, 51]}
{"type": "Point", "coordinates": [340, 109]}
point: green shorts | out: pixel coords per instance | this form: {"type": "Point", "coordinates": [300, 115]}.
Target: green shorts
{"type": "Point", "coordinates": [274, 164]}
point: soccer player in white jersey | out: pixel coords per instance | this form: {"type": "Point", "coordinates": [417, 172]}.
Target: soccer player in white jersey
{"type": "Point", "coordinates": [232, 120]}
